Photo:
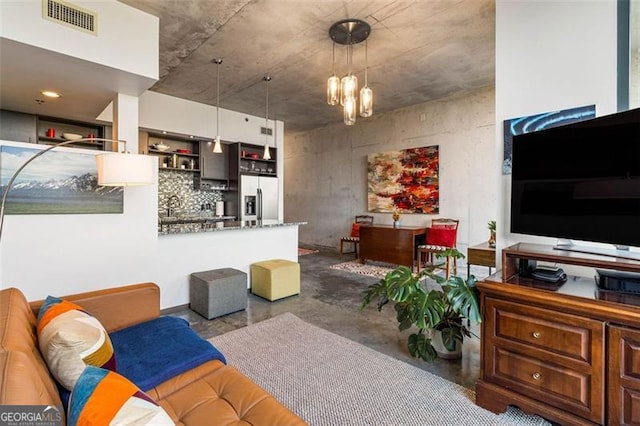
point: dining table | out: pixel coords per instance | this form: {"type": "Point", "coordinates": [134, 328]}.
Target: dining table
{"type": "Point", "coordinates": [391, 243]}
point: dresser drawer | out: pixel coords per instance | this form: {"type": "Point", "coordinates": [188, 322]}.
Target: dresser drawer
{"type": "Point", "coordinates": [552, 357]}
{"type": "Point", "coordinates": [553, 332]}
{"type": "Point", "coordinates": [556, 385]}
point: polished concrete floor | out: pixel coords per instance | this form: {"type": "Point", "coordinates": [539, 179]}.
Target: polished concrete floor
{"type": "Point", "coordinates": [331, 299]}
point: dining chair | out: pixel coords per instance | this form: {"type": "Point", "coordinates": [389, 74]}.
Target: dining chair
{"type": "Point", "coordinates": [442, 235]}
{"type": "Point", "coordinates": [354, 237]}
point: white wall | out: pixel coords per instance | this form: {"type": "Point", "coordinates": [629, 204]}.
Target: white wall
{"type": "Point", "coordinates": [182, 254]}
{"type": "Point", "coordinates": [62, 254]}
{"type": "Point", "coordinates": [117, 23]}
{"type": "Point", "coordinates": [550, 55]}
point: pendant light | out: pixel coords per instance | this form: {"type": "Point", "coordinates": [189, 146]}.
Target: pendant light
{"type": "Point", "coordinates": [266, 155]}
{"type": "Point", "coordinates": [349, 32]}
{"type": "Point", "coordinates": [333, 83]}
{"type": "Point", "coordinates": [366, 94]}
{"type": "Point", "coordinates": [217, 147]}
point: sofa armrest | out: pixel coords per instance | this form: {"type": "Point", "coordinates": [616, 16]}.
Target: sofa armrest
{"type": "Point", "coordinates": [117, 307]}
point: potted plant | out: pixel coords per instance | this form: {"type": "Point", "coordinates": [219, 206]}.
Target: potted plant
{"type": "Point", "coordinates": [492, 233]}
{"type": "Point", "coordinates": [443, 310]}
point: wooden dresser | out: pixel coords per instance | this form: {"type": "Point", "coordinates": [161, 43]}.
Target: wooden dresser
{"type": "Point", "coordinates": [571, 355]}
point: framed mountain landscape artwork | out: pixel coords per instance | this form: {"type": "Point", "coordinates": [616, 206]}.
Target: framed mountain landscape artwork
{"type": "Point", "coordinates": [404, 181]}
{"type": "Point", "coordinates": [62, 181]}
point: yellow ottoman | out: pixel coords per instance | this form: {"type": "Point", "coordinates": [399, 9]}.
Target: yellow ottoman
{"type": "Point", "coordinates": [275, 279]}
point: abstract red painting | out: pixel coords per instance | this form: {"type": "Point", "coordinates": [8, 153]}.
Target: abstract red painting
{"type": "Point", "coordinates": [405, 181]}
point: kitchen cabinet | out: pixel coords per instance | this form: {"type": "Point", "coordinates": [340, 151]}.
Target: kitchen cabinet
{"type": "Point", "coordinates": [569, 354]}
{"type": "Point", "coordinates": [18, 126]}
{"type": "Point", "coordinates": [50, 130]}
{"type": "Point", "coordinates": [213, 165]}
{"type": "Point", "coordinates": [624, 375]}
{"type": "Point", "coordinates": [247, 159]}
{"type": "Point", "coordinates": [182, 153]}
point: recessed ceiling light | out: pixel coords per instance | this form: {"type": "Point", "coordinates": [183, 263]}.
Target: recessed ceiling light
{"type": "Point", "coordinates": [164, 132]}
{"type": "Point", "coordinates": [50, 94]}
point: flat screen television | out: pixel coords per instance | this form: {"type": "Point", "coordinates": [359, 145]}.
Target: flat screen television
{"type": "Point", "coordinates": [580, 181]}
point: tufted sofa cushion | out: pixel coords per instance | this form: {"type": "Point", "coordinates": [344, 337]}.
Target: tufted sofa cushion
{"type": "Point", "coordinates": [222, 390]}
{"type": "Point", "coordinates": [211, 393]}
{"type": "Point", "coordinates": [23, 372]}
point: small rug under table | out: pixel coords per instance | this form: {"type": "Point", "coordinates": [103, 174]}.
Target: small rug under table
{"type": "Point", "coordinates": [329, 380]}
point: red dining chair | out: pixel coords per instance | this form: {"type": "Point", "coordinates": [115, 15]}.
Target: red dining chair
{"type": "Point", "coordinates": [354, 237]}
{"type": "Point", "coordinates": [442, 235]}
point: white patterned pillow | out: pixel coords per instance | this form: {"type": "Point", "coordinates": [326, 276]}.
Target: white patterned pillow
{"type": "Point", "coordinates": [70, 339]}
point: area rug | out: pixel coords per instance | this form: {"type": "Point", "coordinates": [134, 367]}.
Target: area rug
{"type": "Point", "coordinates": [370, 269]}
{"type": "Point", "coordinates": [381, 269]}
{"type": "Point", "coordinates": [304, 251]}
{"type": "Point", "coordinates": [329, 380]}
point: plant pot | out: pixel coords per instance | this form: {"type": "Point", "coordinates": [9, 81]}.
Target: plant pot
{"type": "Point", "coordinates": [441, 350]}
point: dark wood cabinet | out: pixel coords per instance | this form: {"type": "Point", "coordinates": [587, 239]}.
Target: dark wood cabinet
{"type": "Point", "coordinates": [247, 159]}
{"type": "Point", "coordinates": [213, 165]}
{"type": "Point", "coordinates": [182, 153]}
{"type": "Point", "coordinates": [18, 127]}
{"type": "Point", "coordinates": [624, 376]}
{"type": "Point", "coordinates": [62, 127]}
{"type": "Point", "coordinates": [30, 128]}
{"type": "Point", "coordinates": [571, 355]}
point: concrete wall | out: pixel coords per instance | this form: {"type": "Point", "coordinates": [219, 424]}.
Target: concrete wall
{"type": "Point", "coordinates": [326, 180]}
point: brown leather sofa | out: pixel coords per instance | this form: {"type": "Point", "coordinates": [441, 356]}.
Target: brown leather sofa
{"type": "Point", "coordinates": [212, 393]}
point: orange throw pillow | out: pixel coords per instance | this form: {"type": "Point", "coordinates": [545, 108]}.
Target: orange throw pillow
{"type": "Point", "coordinates": [355, 230]}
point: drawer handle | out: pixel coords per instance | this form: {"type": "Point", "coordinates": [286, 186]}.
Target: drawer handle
{"type": "Point", "coordinates": [536, 334]}
{"type": "Point", "coordinates": [536, 376]}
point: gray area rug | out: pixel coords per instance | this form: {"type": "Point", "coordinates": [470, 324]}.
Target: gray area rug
{"type": "Point", "coordinates": [329, 380]}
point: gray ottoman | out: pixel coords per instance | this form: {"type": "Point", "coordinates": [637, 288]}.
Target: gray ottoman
{"type": "Point", "coordinates": [218, 292]}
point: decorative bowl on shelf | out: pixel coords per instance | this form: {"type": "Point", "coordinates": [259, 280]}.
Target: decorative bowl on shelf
{"type": "Point", "coordinates": [71, 136]}
{"type": "Point", "coordinates": [161, 146]}
{"type": "Point", "coordinates": [183, 151]}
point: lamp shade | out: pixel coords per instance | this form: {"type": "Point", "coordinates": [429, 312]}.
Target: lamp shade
{"type": "Point", "coordinates": [333, 90]}
{"type": "Point", "coordinates": [366, 102]}
{"type": "Point", "coordinates": [125, 169]}
{"type": "Point", "coordinates": [348, 88]}
{"type": "Point", "coordinates": [217, 148]}
{"type": "Point", "coordinates": [349, 112]}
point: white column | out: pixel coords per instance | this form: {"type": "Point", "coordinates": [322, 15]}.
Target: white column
{"type": "Point", "coordinates": [125, 120]}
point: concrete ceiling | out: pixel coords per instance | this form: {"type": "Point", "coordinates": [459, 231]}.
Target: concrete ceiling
{"type": "Point", "coordinates": [418, 51]}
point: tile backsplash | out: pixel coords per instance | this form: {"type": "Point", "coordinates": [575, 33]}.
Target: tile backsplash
{"type": "Point", "coordinates": [181, 184]}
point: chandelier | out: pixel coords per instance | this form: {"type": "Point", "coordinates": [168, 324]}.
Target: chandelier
{"type": "Point", "coordinates": [344, 91]}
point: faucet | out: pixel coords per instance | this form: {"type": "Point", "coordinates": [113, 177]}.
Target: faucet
{"type": "Point", "coordinates": [172, 203]}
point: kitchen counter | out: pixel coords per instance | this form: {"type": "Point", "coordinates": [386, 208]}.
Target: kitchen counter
{"type": "Point", "coordinates": [211, 225]}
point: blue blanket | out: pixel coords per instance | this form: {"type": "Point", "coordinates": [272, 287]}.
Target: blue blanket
{"type": "Point", "coordinates": [155, 351]}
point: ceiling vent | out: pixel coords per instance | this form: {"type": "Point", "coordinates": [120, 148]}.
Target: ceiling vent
{"type": "Point", "coordinates": [70, 15]}
{"type": "Point", "coordinates": [266, 131]}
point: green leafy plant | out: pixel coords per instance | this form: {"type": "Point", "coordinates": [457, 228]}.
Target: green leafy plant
{"type": "Point", "coordinates": [445, 308]}
{"type": "Point", "coordinates": [492, 225]}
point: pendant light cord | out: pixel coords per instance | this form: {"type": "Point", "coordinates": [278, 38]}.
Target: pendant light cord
{"type": "Point", "coordinates": [218, 99]}
{"type": "Point", "coordinates": [333, 59]}
{"type": "Point", "coordinates": [366, 61]}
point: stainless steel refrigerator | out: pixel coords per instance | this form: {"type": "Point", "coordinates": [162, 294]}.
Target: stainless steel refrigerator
{"type": "Point", "coordinates": [258, 198]}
